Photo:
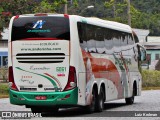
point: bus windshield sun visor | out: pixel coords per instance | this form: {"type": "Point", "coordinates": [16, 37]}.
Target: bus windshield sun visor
{"type": "Point", "coordinates": [41, 27]}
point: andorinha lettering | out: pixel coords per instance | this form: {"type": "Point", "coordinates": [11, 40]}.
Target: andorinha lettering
{"type": "Point", "coordinates": [42, 31]}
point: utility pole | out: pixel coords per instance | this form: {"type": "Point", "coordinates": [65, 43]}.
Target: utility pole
{"type": "Point", "coordinates": [65, 9]}
{"type": "Point", "coordinates": [129, 13]}
{"type": "Point", "coordinates": [114, 10]}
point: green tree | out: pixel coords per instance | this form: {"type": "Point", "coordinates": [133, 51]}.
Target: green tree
{"type": "Point", "coordinates": [49, 6]}
{"type": "Point", "coordinates": [17, 7]}
{"type": "Point", "coordinates": [118, 10]}
{"type": "Point", "coordinates": [8, 8]}
{"type": "Point", "coordinates": [144, 14]}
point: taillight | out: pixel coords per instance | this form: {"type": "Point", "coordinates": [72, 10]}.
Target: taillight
{"type": "Point", "coordinates": [16, 17]}
{"type": "Point", "coordinates": [66, 15]}
{"type": "Point", "coordinates": [72, 79]}
{"type": "Point", "coordinates": [12, 84]}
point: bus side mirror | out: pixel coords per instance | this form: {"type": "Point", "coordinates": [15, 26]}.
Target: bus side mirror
{"type": "Point", "coordinates": [143, 55]}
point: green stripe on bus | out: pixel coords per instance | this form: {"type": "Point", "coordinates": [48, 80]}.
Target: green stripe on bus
{"type": "Point", "coordinates": [51, 80]}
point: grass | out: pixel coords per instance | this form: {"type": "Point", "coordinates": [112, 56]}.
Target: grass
{"type": "Point", "coordinates": [4, 90]}
{"type": "Point", "coordinates": [151, 88]}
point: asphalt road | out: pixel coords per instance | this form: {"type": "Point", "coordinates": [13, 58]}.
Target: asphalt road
{"type": "Point", "coordinates": [148, 101]}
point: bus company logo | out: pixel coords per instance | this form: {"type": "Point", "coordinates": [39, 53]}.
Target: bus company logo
{"type": "Point", "coordinates": [6, 115]}
{"type": "Point", "coordinates": [38, 24]}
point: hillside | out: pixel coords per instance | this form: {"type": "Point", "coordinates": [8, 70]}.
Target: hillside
{"type": "Point", "coordinates": [145, 14]}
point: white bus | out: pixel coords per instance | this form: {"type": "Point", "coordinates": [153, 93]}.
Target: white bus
{"type": "Point", "coordinates": [58, 61]}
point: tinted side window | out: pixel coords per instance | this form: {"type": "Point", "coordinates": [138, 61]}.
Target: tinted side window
{"type": "Point", "coordinates": [130, 39]}
{"type": "Point", "coordinates": [116, 38]}
{"type": "Point", "coordinates": [108, 39]}
{"type": "Point", "coordinates": [97, 39]}
{"type": "Point", "coordinates": [124, 39]}
{"type": "Point", "coordinates": [116, 41]}
{"type": "Point", "coordinates": [136, 38]}
{"type": "Point", "coordinates": [91, 38]}
{"type": "Point", "coordinates": [100, 44]}
{"type": "Point", "coordinates": [82, 35]}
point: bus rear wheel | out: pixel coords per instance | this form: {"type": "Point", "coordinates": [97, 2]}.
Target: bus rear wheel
{"type": "Point", "coordinates": [101, 100]}
{"type": "Point", "coordinates": [92, 107]}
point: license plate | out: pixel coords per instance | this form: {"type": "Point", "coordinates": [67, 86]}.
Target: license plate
{"type": "Point", "coordinates": [40, 97]}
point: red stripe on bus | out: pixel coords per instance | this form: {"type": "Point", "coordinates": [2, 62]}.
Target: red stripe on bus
{"type": "Point", "coordinates": [54, 79]}
{"type": "Point", "coordinates": [104, 68]}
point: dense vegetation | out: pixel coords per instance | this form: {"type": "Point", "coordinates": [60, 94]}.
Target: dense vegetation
{"type": "Point", "coordinates": [151, 78]}
{"type": "Point", "coordinates": [4, 90]}
{"type": "Point", "coordinates": [144, 14]}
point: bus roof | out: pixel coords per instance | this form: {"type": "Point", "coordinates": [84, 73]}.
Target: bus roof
{"type": "Point", "coordinates": [106, 23]}
{"type": "Point", "coordinates": [91, 20]}
{"type": "Point", "coordinates": [110, 24]}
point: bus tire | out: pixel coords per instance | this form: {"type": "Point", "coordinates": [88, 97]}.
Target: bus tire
{"type": "Point", "coordinates": [101, 100]}
{"type": "Point", "coordinates": [92, 107]}
{"type": "Point", "coordinates": [130, 100]}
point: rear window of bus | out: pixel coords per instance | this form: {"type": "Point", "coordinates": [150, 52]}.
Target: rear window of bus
{"type": "Point", "coordinates": [41, 27]}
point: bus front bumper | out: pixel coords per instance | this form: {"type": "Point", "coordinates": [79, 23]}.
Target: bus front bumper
{"type": "Point", "coordinates": [69, 97]}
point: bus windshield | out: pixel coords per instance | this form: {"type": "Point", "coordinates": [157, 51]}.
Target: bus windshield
{"type": "Point", "coordinates": [40, 27]}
